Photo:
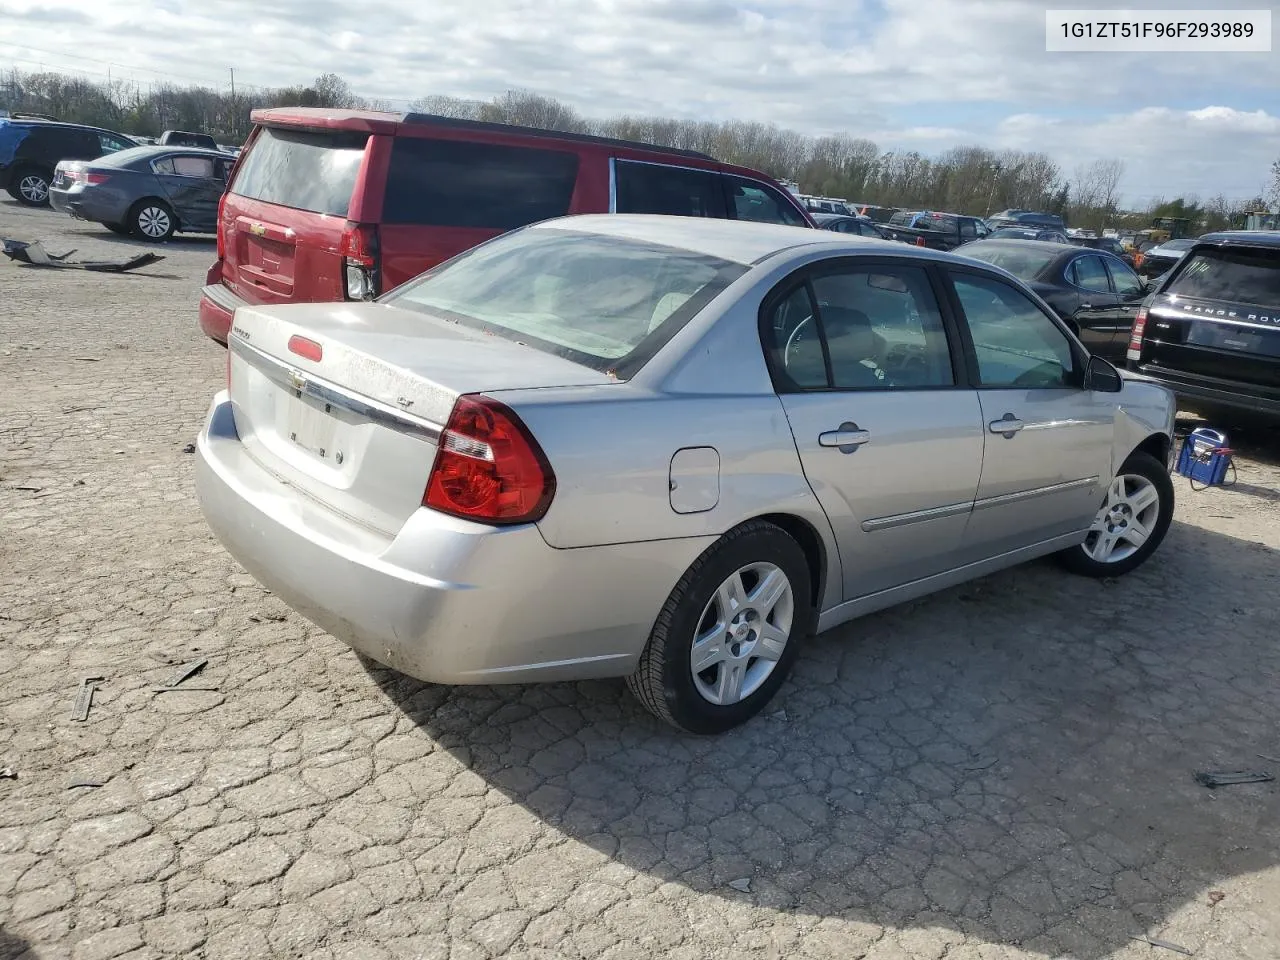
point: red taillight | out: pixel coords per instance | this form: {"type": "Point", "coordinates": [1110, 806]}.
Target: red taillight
{"type": "Point", "coordinates": [1136, 334]}
{"type": "Point", "coordinates": [919, 241]}
{"type": "Point", "coordinates": [96, 178]}
{"type": "Point", "coordinates": [222, 239]}
{"type": "Point", "coordinates": [488, 466]}
{"type": "Point", "coordinates": [359, 249]}
{"type": "Point", "coordinates": [306, 348]}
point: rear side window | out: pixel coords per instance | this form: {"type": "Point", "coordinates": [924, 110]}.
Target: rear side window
{"type": "Point", "coordinates": [302, 169]}
{"type": "Point", "coordinates": [671, 191]}
{"type": "Point", "coordinates": [757, 201]}
{"type": "Point", "coordinates": [1234, 275]}
{"type": "Point", "coordinates": [453, 183]}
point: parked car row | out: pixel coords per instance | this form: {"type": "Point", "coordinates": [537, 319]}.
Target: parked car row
{"type": "Point", "coordinates": [31, 148]}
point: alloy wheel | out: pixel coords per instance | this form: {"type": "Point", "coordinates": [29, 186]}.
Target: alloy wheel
{"type": "Point", "coordinates": [742, 633]}
{"type": "Point", "coordinates": [1125, 520]}
{"type": "Point", "coordinates": [34, 188]}
{"type": "Point", "coordinates": [153, 222]}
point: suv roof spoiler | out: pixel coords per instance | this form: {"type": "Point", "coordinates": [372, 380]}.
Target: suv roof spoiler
{"type": "Point", "coordinates": [379, 122]}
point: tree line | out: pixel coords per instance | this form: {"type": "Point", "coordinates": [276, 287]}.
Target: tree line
{"type": "Point", "coordinates": [973, 180]}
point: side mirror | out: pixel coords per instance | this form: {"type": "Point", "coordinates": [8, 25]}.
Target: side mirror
{"type": "Point", "coordinates": [1102, 377]}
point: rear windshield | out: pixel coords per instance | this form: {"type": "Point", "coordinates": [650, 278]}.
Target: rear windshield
{"type": "Point", "coordinates": [1022, 261]}
{"type": "Point", "coordinates": [453, 183]}
{"type": "Point", "coordinates": [1233, 275]}
{"type": "Point", "coordinates": [302, 169]}
{"type": "Point", "coordinates": [606, 302]}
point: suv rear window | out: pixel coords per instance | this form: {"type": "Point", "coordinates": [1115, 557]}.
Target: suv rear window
{"type": "Point", "coordinates": [455, 183]}
{"type": "Point", "coordinates": [605, 302]}
{"type": "Point", "coordinates": [1230, 274]}
{"type": "Point", "coordinates": [302, 169]}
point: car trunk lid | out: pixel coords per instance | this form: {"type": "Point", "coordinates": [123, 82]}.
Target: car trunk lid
{"type": "Point", "coordinates": [345, 402]}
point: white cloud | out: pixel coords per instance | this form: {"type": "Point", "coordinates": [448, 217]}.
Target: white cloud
{"type": "Point", "coordinates": [921, 73]}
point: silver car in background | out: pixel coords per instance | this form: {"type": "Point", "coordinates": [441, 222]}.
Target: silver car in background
{"type": "Point", "coordinates": [667, 449]}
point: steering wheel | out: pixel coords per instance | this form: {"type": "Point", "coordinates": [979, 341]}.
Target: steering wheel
{"type": "Point", "coordinates": [793, 339]}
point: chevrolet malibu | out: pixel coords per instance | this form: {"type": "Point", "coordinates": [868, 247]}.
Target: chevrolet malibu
{"type": "Point", "coordinates": [670, 450]}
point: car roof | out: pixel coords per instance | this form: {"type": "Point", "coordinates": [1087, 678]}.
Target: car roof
{"type": "Point", "coordinates": [739, 241]}
{"type": "Point", "coordinates": [1253, 238]}
{"type": "Point", "coordinates": [158, 149]}
{"type": "Point", "coordinates": [58, 125]}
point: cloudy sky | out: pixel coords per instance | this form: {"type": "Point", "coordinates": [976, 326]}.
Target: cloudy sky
{"type": "Point", "coordinates": [923, 74]}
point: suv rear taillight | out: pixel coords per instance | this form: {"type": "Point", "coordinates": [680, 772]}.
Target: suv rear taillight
{"type": "Point", "coordinates": [1135, 335]}
{"type": "Point", "coordinates": [360, 261]}
{"type": "Point", "coordinates": [222, 230]}
{"type": "Point", "coordinates": [488, 466]}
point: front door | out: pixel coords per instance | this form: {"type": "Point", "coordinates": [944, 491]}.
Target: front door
{"type": "Point", "coordinates": [1047, 460]}
{"type": "Point", "coordinates": [890, 444]}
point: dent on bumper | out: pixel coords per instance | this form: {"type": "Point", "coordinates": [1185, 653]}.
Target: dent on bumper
{"type": "Point", "coordinates": [445, 600]}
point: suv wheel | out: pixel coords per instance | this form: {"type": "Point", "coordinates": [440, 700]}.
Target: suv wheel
{"type": "Point", "coordinates": [30, 186]}
{"type": "Point", "coordinates": [152, 220]}
{"type": "Point", "coordinates": [1130, 524]}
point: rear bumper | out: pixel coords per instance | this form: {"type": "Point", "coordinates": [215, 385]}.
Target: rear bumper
{"type": "Point", "coordinates": [83, 205]}
{"type": "Point", "coordinates": [444, 600]}
{"type": "Point", "coordinates": [217, 308]}
{"type": "Point", "coordinates": [1187, 386]}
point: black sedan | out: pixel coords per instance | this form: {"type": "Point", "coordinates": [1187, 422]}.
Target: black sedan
{"type": "Point", "coordinates": [859, 226]}
{"type": "Point", "coordinates": [1164, 257]}
{"type": "Point", "coordinates": [1093, 290]}
{"type": "Point", "coordinates": [149, 192]}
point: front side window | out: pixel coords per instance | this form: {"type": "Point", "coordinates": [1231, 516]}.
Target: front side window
{"type": "Point", "coordinates": [456, 183]}
{"type": "Point", "coordinates": [1124, 280]}
{"type": "Point", "coordinates": [1089, 273]}
{"type": "Point", "coordinates": [201, 167]}
{"type": "Point", "coordinates": [876, 327]}
{"type": "Point", "coordinates": [605, 302]}
{"type": "Point", "coordinates": [110, 144]}
{"type": "Point", "coordinates": [759, 202]}
{"type": "Point", "coordinates": [1014, 342]}
{"type": "Point", "coordinates": [671, 191]}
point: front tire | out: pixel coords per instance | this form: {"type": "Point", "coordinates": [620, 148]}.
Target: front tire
{"type": "Point", "coordinates": [1130, 524]}
{"type": "Point", "coordinates": [30, 187]}
{"type": "Point", "coordinates": [729, 633]}
{"type": "Point", "coordinates": [152, 220]}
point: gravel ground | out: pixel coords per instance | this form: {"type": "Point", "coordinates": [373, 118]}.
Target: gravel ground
{"type": "Point", "coordinates": [1003, 770]}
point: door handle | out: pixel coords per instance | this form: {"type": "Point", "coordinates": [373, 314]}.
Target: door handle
{"type": "Point", "coordinates": [847, 438]}
{"type": "Point", "coordinates": [1086, 306]}
{"type": "Point", "coordinates": [1006, 426]}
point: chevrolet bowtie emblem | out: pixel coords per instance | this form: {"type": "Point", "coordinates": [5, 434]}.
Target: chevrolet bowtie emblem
{"type": "Point", "coordinates": [257, 229]}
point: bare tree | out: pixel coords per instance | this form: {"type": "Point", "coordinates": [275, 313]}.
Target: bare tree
{"type": "Point", "coordinates": [1273, 190]}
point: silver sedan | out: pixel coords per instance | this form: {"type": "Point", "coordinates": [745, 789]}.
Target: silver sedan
{"type": "Point", "coordinates": [668, 449]}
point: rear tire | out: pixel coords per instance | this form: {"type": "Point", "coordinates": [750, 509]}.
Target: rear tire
{"type": "Point", "coordinates": [30, 186]}
{"type": "Point", "coordinates": [152, 220]}
{"type": "Point", "coordinates": [1130, 524]}
{"type": "Point", "coordinates": [742, 609]}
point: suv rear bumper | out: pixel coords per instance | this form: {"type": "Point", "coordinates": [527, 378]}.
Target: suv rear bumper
{"type": "Point", "coordinates": [217, 308]}
{"type": "Point", "coordinates": [1222, 393]}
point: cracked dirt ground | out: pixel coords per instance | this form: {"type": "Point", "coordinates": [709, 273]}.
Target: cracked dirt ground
{"type": "Point", "coordinates": [1000, 771]}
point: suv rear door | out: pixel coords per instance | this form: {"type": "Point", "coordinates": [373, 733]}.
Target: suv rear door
{"type": "Point", "coordinates": [1219, 317]}
{"type": "Point", "coordinates": [286, 213]}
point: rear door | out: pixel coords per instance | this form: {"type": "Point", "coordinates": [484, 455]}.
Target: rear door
{"type": "Point", "coordinates": [286, 213]}
{"type": "Point", "coordinates": [1220, 318]}
{"type": "Point", "coordinates": [446, 196]}
{"type": "Point", "coordinates": [1047, 456]}
{"type": "Point", "coordinates": [889, 436]}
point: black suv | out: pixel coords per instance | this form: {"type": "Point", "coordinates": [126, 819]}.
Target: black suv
{"type": "Point", "coordinates": [1211, 331]}
{"type": "Point", "coordinates": [30, 149]}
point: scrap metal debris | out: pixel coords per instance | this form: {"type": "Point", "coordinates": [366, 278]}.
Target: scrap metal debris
{"type": "Point", "coordinates": [84, 698]}
{"type": "Point", "coordinates": [1164, 944]}
{"type": "Point", "coordinates": [34, 254]}
{"type": "Point", "coordinates": [178, 684]}
{"type": "Point", "coordinates": [8, 773]}
{"type": "Point", "coordinates": [1212, 780]}
{"type": "Point", "coordinates": [84, 783]}
{"type": "Point", "coordinates": [742, 886]}
{"type": "Point", "coordinates": [189, 448]}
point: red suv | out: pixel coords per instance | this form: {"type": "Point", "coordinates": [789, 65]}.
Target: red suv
{"type": "Point", "coordinates": [343, 204]}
